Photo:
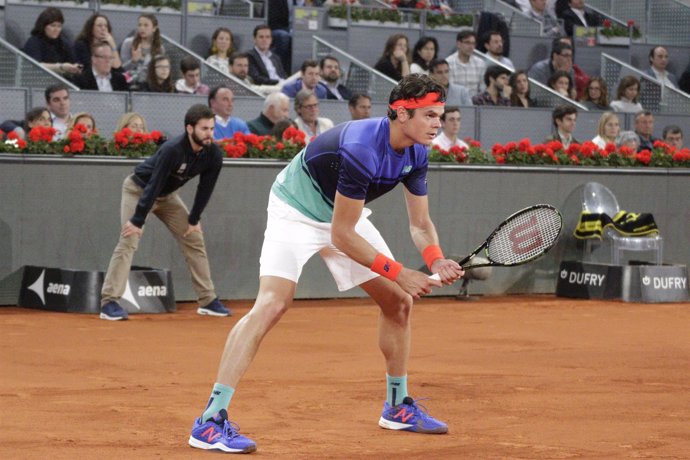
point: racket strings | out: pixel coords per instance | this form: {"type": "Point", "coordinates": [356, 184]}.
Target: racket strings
{"type": "Point", "coordinates": [525, 236]}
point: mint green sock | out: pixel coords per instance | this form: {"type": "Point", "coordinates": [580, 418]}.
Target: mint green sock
{"type": "Point", "coordinates": [397, 389]}
{"type": "Point", "coordinates": [220, 399]}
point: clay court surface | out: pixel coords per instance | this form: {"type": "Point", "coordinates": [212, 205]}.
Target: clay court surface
{"type": "Point", "coordinates": [514, 377]}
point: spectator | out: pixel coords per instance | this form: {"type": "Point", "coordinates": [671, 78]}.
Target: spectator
{"type": "Point", "coordinates": [85, 119]}
{"type": "Point", "coordinates": [265, 68]}
{"type": "Point", "coordinates": [561, 82]}
{"type": "Point", "coordinates": [308, 82]}
{"type": "Point", "coordinates": [330, 76]}
{"type": "Point", "coordinates": [360, 106]}
{"type": "Point", "coordinates": [580, 78]}
{"type": "Point", "coordinates": [626, 96]}
{"type": "Point", "coordinates": [673, 136]}
{"type": "Point", "coordinates": [550, 6]}
{"type": "Point", "coordinates": [59, 103]}
{"type": "Point", "coordinates": [658, 61]}
{"type": "Point", "coordinates": [519, 94]}
{"type": "Point", "coordinates": [644, 128]}
{"type": "Point", "coordinates": [450, 128]}
{"type": "Point", "coordinates": [49, 46]}
{"type": "Point", "coordinates": [221, 100]}
{"type": "Point", "coordinates": [394, 62]}
{"type": "Point", "coordinates": [608, 131]}
{"type": "Point", "coordinates": [596, 95]}
{"type": "Point", "coordinates": [308, 120]}
{"type": "Point", "coordinates": [564, 122]}
{"type": "Point", "coordinates": [561, 59]}
{"type": "Point", "coordinates": [222, 46]}
{"type": "Point", "coordinates": [456, 95]}
{"type": "Point", "coordinates": [133, 121]}
{"type": "Point", "coordinates": [629, 139]}
{"type": "Point", "coordinates": [276, 108]}
{"type": "Point", "coordinates": [137, 51]}
{"type": "Point", "coordinates": [493, 44]}
{"type": "Point", "coordinates": [539, 11]}
{"type": "Point", "coordinates": [424, 52]}
{"type": "Point", "coordinates": [159, 76]}
{"type": "Point", "coordinates": [239, 68]}
{"type": "Point", "coordinates": [495, 79]}
{"type": "Point", "coordinates": [38, 116]}
{"type": "Point", "coordinates": [577, 14]}
{"type": "Point", "coordinates": [96, 29]}
{"type": "Point", "coordinates": [684, 82]}
{"type": "Point", "coordinates": [465, 68]}
{"type": "Point", "coordinates": [279, 19]}
{"type": "Point", "coordinates": [100, 75]}
{"type": "Point", "coordinates": [190, 83]}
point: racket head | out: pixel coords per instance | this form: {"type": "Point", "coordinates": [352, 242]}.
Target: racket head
{"type": "Point", "coordinates": [524, 236]}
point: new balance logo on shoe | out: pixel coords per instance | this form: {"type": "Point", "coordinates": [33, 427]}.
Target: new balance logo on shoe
{"type": "Point", "coordinates": [210, 434]}
{"type": "Point", "coordinates": [403, 415]}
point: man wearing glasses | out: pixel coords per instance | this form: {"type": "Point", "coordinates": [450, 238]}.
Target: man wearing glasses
{"type": "Point", "coordinates": [561, 59]}
{"type": "Point", "coordinates": [100, 76]}
{"type": "Point", "coordinates": [308, 119]}
{"type": "Point", "coordinates": [465, 68]}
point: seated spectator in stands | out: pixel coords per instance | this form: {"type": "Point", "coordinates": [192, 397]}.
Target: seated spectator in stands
{"type": "Point", "coordinates": [456, 95]}
{"type": "Point", "coordinates": [492, 43]}
{"type": "Point", "coordinates": [450, 128]}
{"type": "Point", "coordinates": [85, 119]}
{"type": "Point", "coordinates": [658, 61]}
{"type": "Point", "coordinates": [59, 103]}
{"type": "Point", "coordinates": [222, 46]}
{"type": "Point", "coordinates": [684, 82]}
{"type": "Point", "coordinates": [438, 6]}
{"type": "Point", "coordinates": [279, 20]}
{"type": "Point", "coordinates": [308, 119]}
{"type": "Point", "coordinates": [580, 78]}
{"type": "Point", "coordinates": [466, 69]}
{"type": "Point", "coordinates": [190, 83]}
{"type": "Point", "coordinates": [49, 46]}
{"type": "Point", "coordinates": [424, 52]}
{"type": "Point", "coordinates": [564, 122]}
{"type": "Point", "coordinates": [596, 95]}
{"type": "Point", "coordinates": [159, 76]}
{"type": "Point", "coordinates": [577, 14]}
{"type": "Point", "coordinates": [100, 75]}
{"type": "Point", "coordinates": [495, 79]}
{"type": "Point", "coordinates": [549, 6]}
{"type": "Point", "coordinates": [539, 11]}
{"type": "Point", "coordinates": [629, 139]}
{"type": "Point", "coordinates": [394, 63]}
{"type": "Point", "coordinates": [561, 82]}
{"type": "Point", "coordinates": [276, 108]}
{"type": "Point", "coordinates": [360, 106]}
{"type": "Point", "coordinates": [265, 68]}
{"type": "Point", "coordinates": [239, 68]}
{"type": "Point", "coordinates": [221, 100]}
{"type": "Point", "coordinates": [133, 121]}
{"type": "Point", "coordinates": [310, 81]}
{"type": "Point", "coordinates": [561, 59]}
{"type": "Point", "coordinates": [644, 128]}
{"type": "Point", "coordinates": [137, 51]}
{"type": "Point", "coordinates": [519, 93]}
{"type": "Point", "coordinates": [38, 116]}
{"type": "Point", "coordinates": [330, 78]}
{"type": "Point", "coordinates": [626, 96]}
{"type": "Point", "coordinates": [673, 136]}
{"type": "Point", "coordinates": [96, 29]}
{"type": "Point", "coordinates": [608, 130]}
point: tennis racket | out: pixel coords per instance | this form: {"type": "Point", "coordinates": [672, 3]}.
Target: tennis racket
{"type": "Point", "coordinates": [521, 238]}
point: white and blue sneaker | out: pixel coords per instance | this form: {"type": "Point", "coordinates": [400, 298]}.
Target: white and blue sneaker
{"type": "Point", "coordinates": [220, 434]}
{"type": "Point", "coordinates": [215, 308]}
{"type": "Point", "coordinates": [112, 311]}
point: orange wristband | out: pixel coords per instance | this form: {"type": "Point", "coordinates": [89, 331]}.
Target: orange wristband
{"type": "Point", "coordinates": [386, 267]}
{"type": "Point", "coordinates": [431, 253]}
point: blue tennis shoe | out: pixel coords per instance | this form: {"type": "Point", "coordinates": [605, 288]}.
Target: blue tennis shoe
{"type": "Point", "coordinates": [410, 416]}
{"type": "Point", "coordinates": [220, 434]}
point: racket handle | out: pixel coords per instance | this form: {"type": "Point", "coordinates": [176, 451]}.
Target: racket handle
{"type": "Point", "coordinates": [435, 276]}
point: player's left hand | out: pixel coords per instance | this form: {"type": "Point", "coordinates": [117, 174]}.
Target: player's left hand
{"type": "Point", "coordinates": [191, 229]}
{"type": "Point", "coordinates": [449, 270]}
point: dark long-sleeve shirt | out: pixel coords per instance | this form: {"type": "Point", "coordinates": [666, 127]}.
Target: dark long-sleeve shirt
{"type": "Point", "coordinates": [170, 168]}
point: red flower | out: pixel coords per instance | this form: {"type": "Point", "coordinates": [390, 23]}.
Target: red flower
{"type": "Point", "coordinates": [644, 157]}
{"type": "Point", "coordinates": [524, 145]}
{"type": "Point", "coordinates": [155, 136]}
{"type": "Point", "coordinates": [631, 23]}
{"type": "Point", "coordinates": [625, 151]}
{"type": "Point", "coordinates": [607, 23]}
{"type": "Point", "coordinates": [510, 146]}
{"type": "Point", "coordinates": [12, 135]}
{"type": "Point", "coordinates": [474, 143]}
{"type": "Point", "coordinates": [573, 149]}
{"type": "Point", "coordinates": [21, 144]}
{"type": "Point", "coordinates": [610, 147]}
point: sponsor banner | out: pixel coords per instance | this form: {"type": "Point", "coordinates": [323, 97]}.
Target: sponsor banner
{"type": "Point", "coordinates": [583, 280]}
{"type": "Point", "coordinates": [72, 291]}
{"type": "Point", "coordinates": [656, 283]}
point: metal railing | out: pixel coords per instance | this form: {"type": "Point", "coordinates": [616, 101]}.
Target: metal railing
{"type": "Point", "coordinates": [542, 94]}
{"type": "Point", "coordinates": [359, 77]}
{"type": "Point", "coordinates": [654, 95]}
{"type": "Point", "coordinates": [210, 75]}
{"type": "Point", "coordinates": [237, 8]}
{"type": "Point", "coordinates": [20, 70]}
{"type": "Point", "coordinates": [518, 22]}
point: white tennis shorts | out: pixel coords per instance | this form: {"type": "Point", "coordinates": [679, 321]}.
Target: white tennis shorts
{"type": "Point", "coordinates": [291, 238]}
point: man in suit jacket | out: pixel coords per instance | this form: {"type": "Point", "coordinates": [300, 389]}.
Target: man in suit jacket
{"type": "Point", "coordinates": [658, 61]}
{"type": "Point", "coordinates": [578, 15]}
{"type": "Point", "coordinates": [330, 74]}
{"type": "Point", "coordinates": [99, 75]}
{"type": "Point", "coordinates": [265, 67]}
{"type": "Point", "coordinates": [564, 121]}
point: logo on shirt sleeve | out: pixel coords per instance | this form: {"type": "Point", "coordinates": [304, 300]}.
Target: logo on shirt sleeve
{"type": "Point", "coordinates": [407, 169]}
{"type": "Point", "coordinates": [182, 169]}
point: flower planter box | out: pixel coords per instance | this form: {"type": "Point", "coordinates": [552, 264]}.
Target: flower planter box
{"type": "Point", "coordinates": [612, 41]}
{"type": "Point", "coordinates": [337, 23]}
{"type": "Point", "coordinates": [368, 22]}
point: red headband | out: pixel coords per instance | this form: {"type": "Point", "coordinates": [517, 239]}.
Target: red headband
{"type": "Point", "coordinates": [429, 100]}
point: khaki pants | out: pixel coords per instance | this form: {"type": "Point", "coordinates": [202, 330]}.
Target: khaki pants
{"type": "Point", "coordinates": [174, 214]}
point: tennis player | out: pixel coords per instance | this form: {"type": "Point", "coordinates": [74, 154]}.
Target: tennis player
{"type": "Point", "coordinates": [316, 205]}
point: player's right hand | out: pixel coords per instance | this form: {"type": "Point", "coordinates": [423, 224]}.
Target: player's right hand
{"type": "Point", "coordinates": [416, 283]}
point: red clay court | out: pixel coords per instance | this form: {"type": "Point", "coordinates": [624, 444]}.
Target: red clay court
{"type": "Point", "coordinates": [514, 377]}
